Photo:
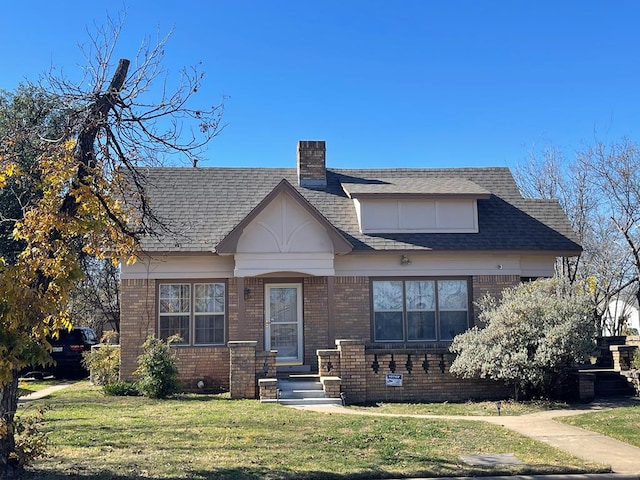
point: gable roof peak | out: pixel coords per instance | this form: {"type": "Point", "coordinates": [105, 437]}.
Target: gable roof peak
{"type": "Point", "coordinates": [229, 243]}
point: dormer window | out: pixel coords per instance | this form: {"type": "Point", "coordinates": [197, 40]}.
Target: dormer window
{"type": "Point", "coordinates": [416, 205]}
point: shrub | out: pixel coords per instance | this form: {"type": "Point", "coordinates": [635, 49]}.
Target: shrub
{"type": "Point", "coordinates": [157, 368]}
{"type": "Point", "coordinates": [30, 442]}
{"type": "Point", "coordinates": [103, 363]}
{"type": "Point", "coordinates": [532, 334]}
{"type": "Point", "coordinates": [635, 360]}
{"type": "Point", "coordinates": [121, 389]}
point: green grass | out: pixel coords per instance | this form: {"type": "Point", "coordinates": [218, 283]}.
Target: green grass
{"type": "Point", "coordinates": [212, 437]}
{"type": "Point", "coordinates": [507, 407]}
{"type": "Point", "coordinates": [621, 423]}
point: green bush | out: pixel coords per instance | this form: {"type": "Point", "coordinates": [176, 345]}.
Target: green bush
{"type": "Point", "coordinates": [121, 389]}
{"type": "Point", "coordinates": [30, 442]}
{"type": "Point", "coordinates": [635, 361]}
{"type": "Point", "coordinates": [532, 334]}
{"type": "Point", "coordinates": [103, 363]}
{"type": "Point", "coordinates": [157, 368]}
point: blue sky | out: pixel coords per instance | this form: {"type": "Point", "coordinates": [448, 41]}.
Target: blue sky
{"type": "Point", "coordinates": [386, 84]}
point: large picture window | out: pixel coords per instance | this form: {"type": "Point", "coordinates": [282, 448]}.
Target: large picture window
{"type": "Point", "coordinates": [195, 311]}
{"type": "Point", "coordinates": [419, 310]}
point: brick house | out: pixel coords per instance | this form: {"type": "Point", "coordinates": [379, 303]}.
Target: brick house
{"type": "Point", "coordinates": [268, 270]}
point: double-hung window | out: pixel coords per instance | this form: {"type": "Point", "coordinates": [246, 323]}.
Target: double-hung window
{"type": "Point", "coordinates": [195, 311]}
{"type": "Point", "coordinates": [419, 310]}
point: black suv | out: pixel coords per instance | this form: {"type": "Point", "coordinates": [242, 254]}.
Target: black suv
{"type": "Point", "coordinates": [67, 349]}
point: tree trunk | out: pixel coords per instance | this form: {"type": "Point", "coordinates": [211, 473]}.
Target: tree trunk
{"type": "Point", "coordinates": [8, 404]}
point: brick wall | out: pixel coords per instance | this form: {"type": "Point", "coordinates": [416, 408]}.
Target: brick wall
{"type": "Point", "coordinates": [316, 319]}
{"type": "Point", "coordinates": [207, 364]}
{"type": "Point", "coordinates": [425, 375]}
{"type": "Point", "coordinates": [352, 319]}
{"type": "Point", "coordinates": [137, 322]}
{"type": "Point", "coordinates": [491, 284]}
{"type": "Point", "coordinates": [418, 384]}
{"type": "Point", "coordinates": [252, 325]}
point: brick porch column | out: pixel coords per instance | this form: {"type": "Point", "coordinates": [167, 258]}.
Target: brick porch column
{"type": "Point", "coordinates": [242, 369]}
{"type": "Point", "coordinates": [353, 370]}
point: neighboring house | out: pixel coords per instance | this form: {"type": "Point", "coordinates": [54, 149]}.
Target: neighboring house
{"type": "Point", "coordinates": [622, 316]}
{"type": "Point", "coordinates": [297, 259]}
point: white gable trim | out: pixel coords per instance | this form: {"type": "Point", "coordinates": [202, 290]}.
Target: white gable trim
{"type": "Point", "coordinates": [254, 264]}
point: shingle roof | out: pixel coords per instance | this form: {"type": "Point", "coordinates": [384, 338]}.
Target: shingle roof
{"type": "Point", "coordinates": [458, 187]}
{"type": "Point", "coordinates": [202, 205]}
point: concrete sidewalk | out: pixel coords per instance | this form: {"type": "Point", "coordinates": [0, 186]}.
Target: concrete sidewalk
{"type": "Point", "coordinates": [623, 458]}
{"type": "Point", "coordinates": [45, 392]}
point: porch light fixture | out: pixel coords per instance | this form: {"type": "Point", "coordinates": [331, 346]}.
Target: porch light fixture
{"type": "Point", "coordinates": [404, 260]}
{"type": "Point", "coordinates": [247, 292]}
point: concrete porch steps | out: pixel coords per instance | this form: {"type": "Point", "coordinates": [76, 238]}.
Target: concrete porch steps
{"type": "Point", "coordinates": [303, 389]}
{"type": "Point", "coordinates": [610, 383]}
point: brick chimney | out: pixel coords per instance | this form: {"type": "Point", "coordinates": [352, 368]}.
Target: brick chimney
{"type": "Point", "coordinates": [312, 172]}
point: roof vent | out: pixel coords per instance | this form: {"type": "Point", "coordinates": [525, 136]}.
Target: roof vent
{"type": "Point", "coordinates": [312, 171]}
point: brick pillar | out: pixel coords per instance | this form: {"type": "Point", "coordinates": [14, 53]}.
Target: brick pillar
{"type": "Point", "coordinates": [353, 370]}
{"type": "Point", "coordinates": [328, 362]}
{"type": "Point", "coordinates": [242, 369]}
{"type": "Point", "coordinates": [622, 356]}
{"type": "Point", "coordinates": [586, 386]}
{"type": "Point", "coordinates": [266, 364]}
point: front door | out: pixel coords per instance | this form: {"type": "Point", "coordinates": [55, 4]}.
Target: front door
{"type": "Point", "coordinates": [283, 322]}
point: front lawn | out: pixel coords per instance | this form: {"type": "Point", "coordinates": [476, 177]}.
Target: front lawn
{"type": "Point", "coordinates": [207, 437]}
{"type": "Point", "coordinates": [621, 423]}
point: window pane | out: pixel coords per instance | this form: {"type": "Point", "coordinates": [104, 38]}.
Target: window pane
{"type": "Point", "coordinates": [209, 329]}
{"type": "Point", "coordinates": [387, 296]}
{"type": "Point", "coordinates": [209, 297]}
{"type": "Point", "coordinates": [174, 298]}
{"type": "Point", "coordinates": [283, 305]}
{"type": "Point", "coordinates": [174, 324]}
{"type": "Point", "coordinates": [284, 339]}
{"type": "Point", "coordinates": [452, 323]}
{"type": "Point", "coordinates": [421, 325]}
{"type": "Point", "coordinates": [452, 295]}
{"type": "Point", "coordinates": [420, 295]}
{"type": "Point", "coordinates": [388, 326]}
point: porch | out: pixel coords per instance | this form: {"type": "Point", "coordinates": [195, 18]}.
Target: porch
{"type": "Point", "coordinates": [356, 373]}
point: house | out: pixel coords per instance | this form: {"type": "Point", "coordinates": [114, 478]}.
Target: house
{"type": "Point", "coordinates": [622, 316]}
{"type": "Point", "coordinates": [351, 273]}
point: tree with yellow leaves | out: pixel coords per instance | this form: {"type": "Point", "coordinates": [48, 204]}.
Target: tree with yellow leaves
{"type": "Point", "coordinates": [86, 197]}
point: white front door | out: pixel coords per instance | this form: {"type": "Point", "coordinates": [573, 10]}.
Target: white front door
{"type": "Point", "coordinates": [283, 322]}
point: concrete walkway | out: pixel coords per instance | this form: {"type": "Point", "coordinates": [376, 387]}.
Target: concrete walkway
{"type": "Point", "coordinates": [623, 458]}
{"type": "Point", "coordinates": [45, 392]}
